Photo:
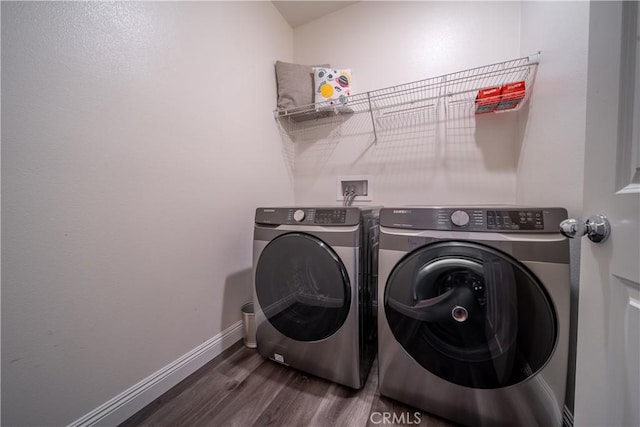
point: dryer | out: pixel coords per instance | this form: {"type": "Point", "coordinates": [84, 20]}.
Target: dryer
{"type": "Point", "coordinates": [474, 312]}
{"type": "Point", "coordinates": [314, 289]}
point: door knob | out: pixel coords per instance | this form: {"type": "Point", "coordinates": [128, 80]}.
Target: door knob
{"type": "Point", "coordinates": [596, 228]}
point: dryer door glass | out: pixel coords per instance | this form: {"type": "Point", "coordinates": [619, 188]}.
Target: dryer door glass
{"type": "Point", "coordinates": [471, 314]}
{"type": "Point", "coordinates": [302, 287]}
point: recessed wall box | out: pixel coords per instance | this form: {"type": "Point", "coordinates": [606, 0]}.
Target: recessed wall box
{"type": "Point", "coordinates": [360, 184]}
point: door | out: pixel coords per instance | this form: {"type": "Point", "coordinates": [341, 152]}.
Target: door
{"type": "Point", "coordinates": [608, 345]}
{"type": "Point", "coordinates": [470, 314]}
{"type": "Point", "coordinates": [302, 287]}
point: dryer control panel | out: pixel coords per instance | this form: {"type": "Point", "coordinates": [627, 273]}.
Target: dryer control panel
{"type": "Point", "coordinates": [324, 216]}
{"type": "Point", "coordinates": [493, 219]}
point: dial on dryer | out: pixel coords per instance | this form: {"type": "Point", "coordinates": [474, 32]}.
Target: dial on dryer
{"type": "Point", "coordinates": [460, 218]}
{"type": "Point", "coordinates": [298, 215]}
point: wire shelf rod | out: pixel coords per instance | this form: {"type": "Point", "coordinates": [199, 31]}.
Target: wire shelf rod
{"type": "Point", "coordinates": [418, 100]}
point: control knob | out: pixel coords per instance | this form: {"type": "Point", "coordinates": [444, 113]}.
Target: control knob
{"type": "Point", "coordinates": [298, 215]}
{"type": "Point", "coordinates": [460, 218]}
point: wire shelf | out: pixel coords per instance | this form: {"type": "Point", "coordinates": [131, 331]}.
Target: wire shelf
{"type": "Point", "coordinates": [416, 103]}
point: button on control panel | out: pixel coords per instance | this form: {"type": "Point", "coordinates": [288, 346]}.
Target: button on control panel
{"type": "Point", "coordinates": [515, 220]}
{"type": "Point", "coordinates": [330, 216]}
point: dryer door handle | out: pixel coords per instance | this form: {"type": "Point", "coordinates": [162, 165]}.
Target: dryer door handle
{"type": "Point", "coordinates": [458, 304]}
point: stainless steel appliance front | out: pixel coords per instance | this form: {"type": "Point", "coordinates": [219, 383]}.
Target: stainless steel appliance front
{"type": "Point", "coordinates": [313, 290]}
{"type": "Point", "coordinates": [474, 315]}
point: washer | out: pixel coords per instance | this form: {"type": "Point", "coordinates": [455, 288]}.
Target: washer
{"type": "Point", "coordinates": [474, 318]}
{"type": "Point", "coordinates": [314, 275]}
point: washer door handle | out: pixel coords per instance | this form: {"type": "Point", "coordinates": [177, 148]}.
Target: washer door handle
{"type": "Point", "coordinates": [443, 307]}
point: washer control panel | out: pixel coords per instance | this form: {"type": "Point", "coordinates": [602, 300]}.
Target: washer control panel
{"type": "Point", "coordinates": [498, 219]}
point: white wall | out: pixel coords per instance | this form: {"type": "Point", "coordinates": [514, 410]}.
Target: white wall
{"type": "Point", "coordinates": [132, 137]}
{"type": "Point", "coordinates": [550, 170]}
{"type": "Point", "coordinates": [391, 43]}
{"type": "Point", "coordinates": [552, 156]}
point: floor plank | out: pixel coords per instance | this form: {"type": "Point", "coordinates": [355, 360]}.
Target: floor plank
{"type": "Point", "coordinates": [240, 388]}
{"type": "Point", "coordinates": [343, 406]}
{"type": "Point", "coordinates": [297, 403]}
{"type": "Point", "coordinates": [243, 405]}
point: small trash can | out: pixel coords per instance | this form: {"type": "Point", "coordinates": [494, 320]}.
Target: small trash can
{"type": "Point", "coordinates": [249, 324]}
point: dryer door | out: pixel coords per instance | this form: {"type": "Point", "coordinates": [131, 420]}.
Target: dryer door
{"type": "Point", "coordinates": [470, 314]}
{"type": "Point", "coordinates": [302, 287]}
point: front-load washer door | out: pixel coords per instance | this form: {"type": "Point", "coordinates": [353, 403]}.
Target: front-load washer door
{"type": "Point", "coordinates": [302, 287]}
{"type": "Point", "coordinates": [470, 314]}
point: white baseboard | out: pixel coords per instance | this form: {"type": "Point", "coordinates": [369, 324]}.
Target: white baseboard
{"type": "Point", "coordinates": [130, 401]}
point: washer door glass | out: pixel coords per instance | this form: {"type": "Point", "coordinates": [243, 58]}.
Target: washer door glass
{"type": "Point", "coordinates": [470, 314]}
{"type": "Point", "coordinates": [302, 287]}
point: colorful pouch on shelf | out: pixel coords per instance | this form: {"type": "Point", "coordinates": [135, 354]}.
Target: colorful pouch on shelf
{"type": "Point", "coordinates": [512, 94]}
{"type": "Point", "coordinates": [332, 85]}
{"type": "Point", "coordinates": [488, 99]}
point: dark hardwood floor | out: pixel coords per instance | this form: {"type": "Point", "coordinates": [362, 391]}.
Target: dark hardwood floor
{"type": "Point", "coordinates": [240, 388]}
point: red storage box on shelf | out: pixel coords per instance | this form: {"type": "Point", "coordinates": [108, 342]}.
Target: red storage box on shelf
{"type": "Point", "coordinates": [488, 99]}
{"type": "Point", "coordinates": [512, 94]}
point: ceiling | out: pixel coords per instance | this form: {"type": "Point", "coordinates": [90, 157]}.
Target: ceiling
{"type": "Point", "coordinates": [297, 13]}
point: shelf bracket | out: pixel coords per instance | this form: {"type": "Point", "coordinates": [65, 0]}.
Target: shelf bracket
{"type": "Point", "coordinates": [373, 122]}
